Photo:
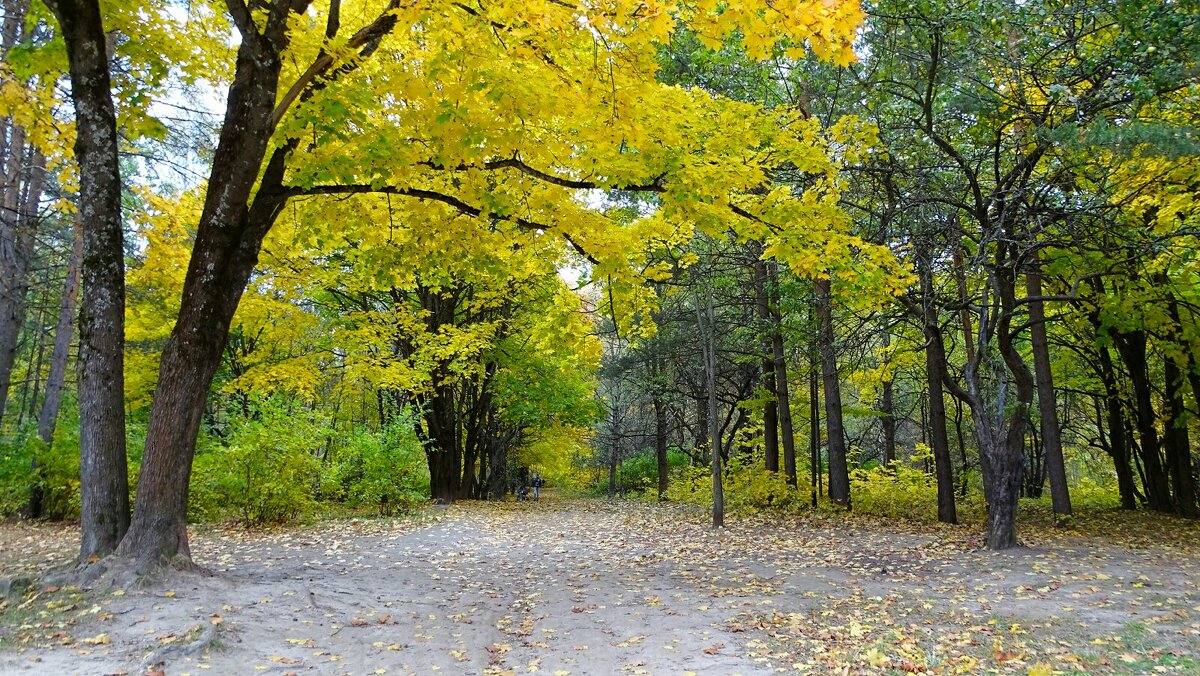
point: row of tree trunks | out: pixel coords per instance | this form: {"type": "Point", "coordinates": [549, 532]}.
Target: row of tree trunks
{"type": "Point", "coordinates": [20, 164]}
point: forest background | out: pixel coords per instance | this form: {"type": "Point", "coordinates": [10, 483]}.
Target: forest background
{"type": "Point", "coordinates": [929, 260]}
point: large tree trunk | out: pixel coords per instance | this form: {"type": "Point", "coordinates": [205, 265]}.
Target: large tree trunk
{"type": "Point", "coordinates": [228, 240]}
{"type": "Point", "coordinates": [104, 479]}
{"type": "Point", "coordinates": [770, 406]}
{"type": "Point", "coordinates": [60, 357]}
{"type": "Point", "coordinates": [839, 473]}
{"type": "Point", "coordinates": [1060, 497]}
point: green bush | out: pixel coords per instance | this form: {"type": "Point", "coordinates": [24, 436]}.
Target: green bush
{"type": "Point", "coordinates": [268, 470]}
{"type": "Point", "coordinates": [57, 474]}
{"type": "Point", "coordinates": [385, 469]}
{"type": "Point", "coordinates": [640, 472]}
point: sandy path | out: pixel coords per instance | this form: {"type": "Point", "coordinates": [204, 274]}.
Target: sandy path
{"type": "Point", "coordinates": [592, 587]}
{"type": "Point", "coordinates": [479, 591]}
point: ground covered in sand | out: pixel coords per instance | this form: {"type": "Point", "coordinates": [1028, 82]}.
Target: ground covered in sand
{"type": "Point", "coordinates": [598, 587]}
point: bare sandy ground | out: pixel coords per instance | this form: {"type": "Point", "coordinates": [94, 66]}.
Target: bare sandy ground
{"type": "Point", "coordinates": [588, 587]}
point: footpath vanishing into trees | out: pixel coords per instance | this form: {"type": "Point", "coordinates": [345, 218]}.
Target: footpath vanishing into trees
{"type": "Point", "coordinates": [579, 587]}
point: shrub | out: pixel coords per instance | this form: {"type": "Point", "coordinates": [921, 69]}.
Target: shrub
{"type": "Point", "coordinates": [640, 472]}
{"type": "Point", "coordinates": [748, 486]}
{"type": "Point", "coordinates": [385, 468]}
{"type": "Point", "coordinates": [57, 474]}
{"type": "Point", "coordinates": [268, 470]}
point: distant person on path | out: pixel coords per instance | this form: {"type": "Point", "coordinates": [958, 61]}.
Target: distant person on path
{"type": "Point", "coordinates": [538, 482]}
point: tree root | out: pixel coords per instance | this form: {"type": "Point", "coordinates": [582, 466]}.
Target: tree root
{"type": "Point", "coordinates": [115, 572]}
{"type": "Point", "coordinates": [204, 640]}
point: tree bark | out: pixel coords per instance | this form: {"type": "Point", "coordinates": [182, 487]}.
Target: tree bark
{"type": "Point", "coordinates": [787, 434]}
{"type": "Point", "coordinates": [887, 407]}
{"type": "Point", "coordinates": [228, 240]}
{"type": "Point", "coordinates": [18, 218]}
{"type": "Point", "coordinates": [1132, 348]}
{"type": "Point", "coordinates": [839, 473]}
{"type": "Point", "coordinates": [1176, 442]}
{"type": "Point", "coordinates": [1007, 458]}
{"type": "Point", "coordinates": [935, 373]}
{"type": "Point", "coordinates": [104, 487]}
{"type": "Point", "coordinates": [814, 432]}
{"type": "Point", "coordinates": [770, 406]}
{"type": "Point", "coordinates": [714, 431]}
{"type": "Point", "coordinates": [1060, 496]}
{"type": "Point", "coordinates": [660, 446]}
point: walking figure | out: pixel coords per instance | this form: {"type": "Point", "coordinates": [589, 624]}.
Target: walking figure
{"type": "Point", "coordinates": [538, 482]}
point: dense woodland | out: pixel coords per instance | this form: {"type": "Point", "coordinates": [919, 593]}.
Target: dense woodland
{"type": "Point", "coordinates": [262, 260]}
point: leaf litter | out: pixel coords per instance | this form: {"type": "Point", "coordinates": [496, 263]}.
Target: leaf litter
{"type": "Point", "coordinates": [585, 587]}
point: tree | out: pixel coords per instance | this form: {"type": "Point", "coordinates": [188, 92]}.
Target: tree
{"type": "Point", "coordinates": [104, 484]}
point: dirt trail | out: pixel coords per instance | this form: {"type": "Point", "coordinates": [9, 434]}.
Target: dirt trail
{"type": "Point", "coordinates": [596, 588]}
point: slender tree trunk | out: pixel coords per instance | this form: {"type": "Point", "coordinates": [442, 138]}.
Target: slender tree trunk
{"type": "Point", "coordinates": [1132, 348]}
{"type": "Point", "coordinates": [889, 423]}
{"type": "Point", "coordinates": [770, 407]}
{"type": "Point", "coordinates": [1060, 496]}
{"type": "Point", "coordinates": [814, 432]}
{"type": "Point", "coordinates": [839, 473]}
{"type": "Point", "coordinates": [1119, 446]}
{"type": "Point", "coordinates": [660, 446]}
{"type": "Point", "coordinates": [935, 373]}
{"type": "Point", "coordinates": [1176, 442]}
{"type": "Point", "coordinates": [1006, 461]}
{"type": "Point", "coordinates": [16, 250]}
{"type": "Point", "coordinates": [714, 430]}
{"type": "Point", "coordinates": [787, 435]}
{"type": "Point", "coordinates": [104, 489]}
{"type": "Point", "coordinates": [887, 407]}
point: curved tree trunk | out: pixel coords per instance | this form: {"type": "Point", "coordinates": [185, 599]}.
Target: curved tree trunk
{"type": "Point", "coordinates": [228, 240]}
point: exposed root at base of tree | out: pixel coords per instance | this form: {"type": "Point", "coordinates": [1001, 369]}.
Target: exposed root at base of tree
{"type": "Point", "coordinates": [117, 572]}
{"type": "Point", "coordinates": [205, 636]}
